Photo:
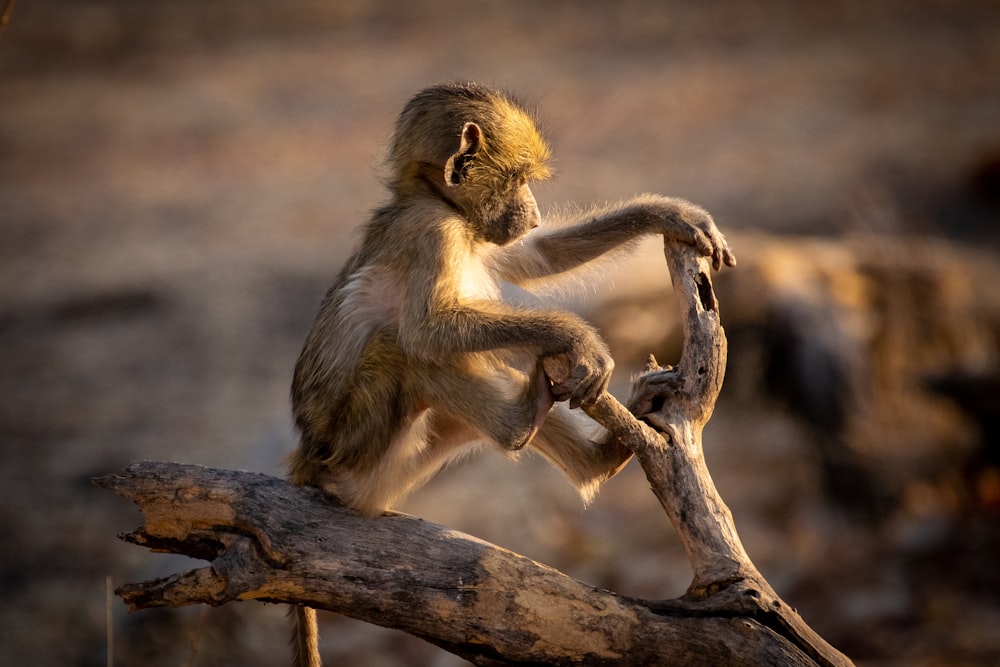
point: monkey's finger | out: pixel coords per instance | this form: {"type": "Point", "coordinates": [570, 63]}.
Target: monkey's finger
{"type": "Point", "coordinates": [721, 254]}
{"type": "Point", "coordinates": [561, 391]}
{"type": "Point", "coordinates": [582, 397]}
{"type": "Point", "coordinates": [702, 242]}
{"type": "Point", "coordinates": [722, 248]}
{"type": "Point", "coordinates": [558, 369]}
{"type": "Point", "coordinates": [729, 257]}
{"type": "Point", "coordinates": [595, 386]}
{"type": "Point", "coordinates": [583, 392]}
{"type": "Point", "coordinates": [566, 389]}
{"type": "Point", "coordinates": [682, 231]}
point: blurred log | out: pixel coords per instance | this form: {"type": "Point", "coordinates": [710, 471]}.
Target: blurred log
{"type": "Point", "coordinates": [267, 540]}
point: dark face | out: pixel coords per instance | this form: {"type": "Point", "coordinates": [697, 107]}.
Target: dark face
{"type": "Point", "coordinates": [509, 218]}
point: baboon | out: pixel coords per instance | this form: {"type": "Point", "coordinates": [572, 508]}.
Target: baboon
{"type": "Point", "coordinates": [414, 356]}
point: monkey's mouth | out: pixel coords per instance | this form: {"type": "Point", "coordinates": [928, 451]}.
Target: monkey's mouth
{"type": "Point", "coordinates": [507, 228]}
{"type": "Point", "coordinates": [503, 237]}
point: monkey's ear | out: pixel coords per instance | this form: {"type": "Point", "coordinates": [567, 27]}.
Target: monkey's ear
{"type": "Point", "coordinates": [457, 167]}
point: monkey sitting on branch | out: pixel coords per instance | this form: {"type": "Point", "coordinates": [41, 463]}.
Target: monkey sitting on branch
{"type": "Point", "coordinates": [414, 357]}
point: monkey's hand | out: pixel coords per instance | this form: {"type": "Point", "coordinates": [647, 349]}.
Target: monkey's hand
{"type": "Point", "coordinates": [690, 224]}
{"type": "Point", "coordinates": [580, 375]}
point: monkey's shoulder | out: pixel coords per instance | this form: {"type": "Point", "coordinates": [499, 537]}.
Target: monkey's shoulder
{"type": "Point", "coordinates": [374, 293]}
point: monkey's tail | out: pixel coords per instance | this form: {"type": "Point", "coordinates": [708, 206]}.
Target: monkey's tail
{"type": "Point", "coordinates": [305, 637]}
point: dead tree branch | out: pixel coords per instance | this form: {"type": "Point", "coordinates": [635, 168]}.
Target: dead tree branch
{"type": "Point", "coordinates": [267, 540]}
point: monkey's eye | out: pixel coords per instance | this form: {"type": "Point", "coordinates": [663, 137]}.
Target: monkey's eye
{"type": "Point", "coordinates": [514, 180]}
{"type": "Point", "coordinates": [520, 176]}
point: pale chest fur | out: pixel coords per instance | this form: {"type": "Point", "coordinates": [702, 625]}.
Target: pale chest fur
{"type": "Point", "coordinates": [475, 282]}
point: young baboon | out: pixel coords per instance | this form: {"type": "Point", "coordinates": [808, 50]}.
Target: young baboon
{"type": "Point", "coordinates": [414, 355]}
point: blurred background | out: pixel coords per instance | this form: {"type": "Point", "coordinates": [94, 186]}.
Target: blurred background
{"type": "Point", "coordinates": [179, 182]}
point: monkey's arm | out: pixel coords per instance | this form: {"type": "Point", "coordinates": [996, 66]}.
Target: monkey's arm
{"type": "Point", "coordinates": [438, 320]}
{"type": "Point", "coordinates": [441, 313]}
{"type": "Point", "coordinates": [599, 232]}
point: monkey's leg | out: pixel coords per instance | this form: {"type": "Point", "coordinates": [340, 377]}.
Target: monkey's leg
{"type": "Point", "coordinates": [496, 400]}
{"type": "Point", "coordinates": [587, 463]}
{"type": "Point", "coordinates": [412, 459]}
{"type": "Point", "coordinates": [447, 438]}
{"type": "Point", "coordinates": [539, 399]}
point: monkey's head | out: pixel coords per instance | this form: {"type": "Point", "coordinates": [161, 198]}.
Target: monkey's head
{"type": "Point", "coordinates": [475, 148]}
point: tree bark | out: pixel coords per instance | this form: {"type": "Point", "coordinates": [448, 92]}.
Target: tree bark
{"type": "Point", "coordinates": [270, 541]}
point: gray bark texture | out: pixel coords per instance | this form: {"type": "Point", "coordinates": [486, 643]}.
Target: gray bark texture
{"type": "Point", "coordinates": [268, 540]}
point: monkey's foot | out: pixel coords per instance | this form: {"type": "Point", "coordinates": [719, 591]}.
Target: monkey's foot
{"type": "Point", "coordinates": [653, 387]}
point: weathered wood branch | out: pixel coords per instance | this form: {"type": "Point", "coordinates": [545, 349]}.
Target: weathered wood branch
{"type": "Point", "coordinates": [270, 541]}
{"type": "Point", "coordinates": [267, 540]}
